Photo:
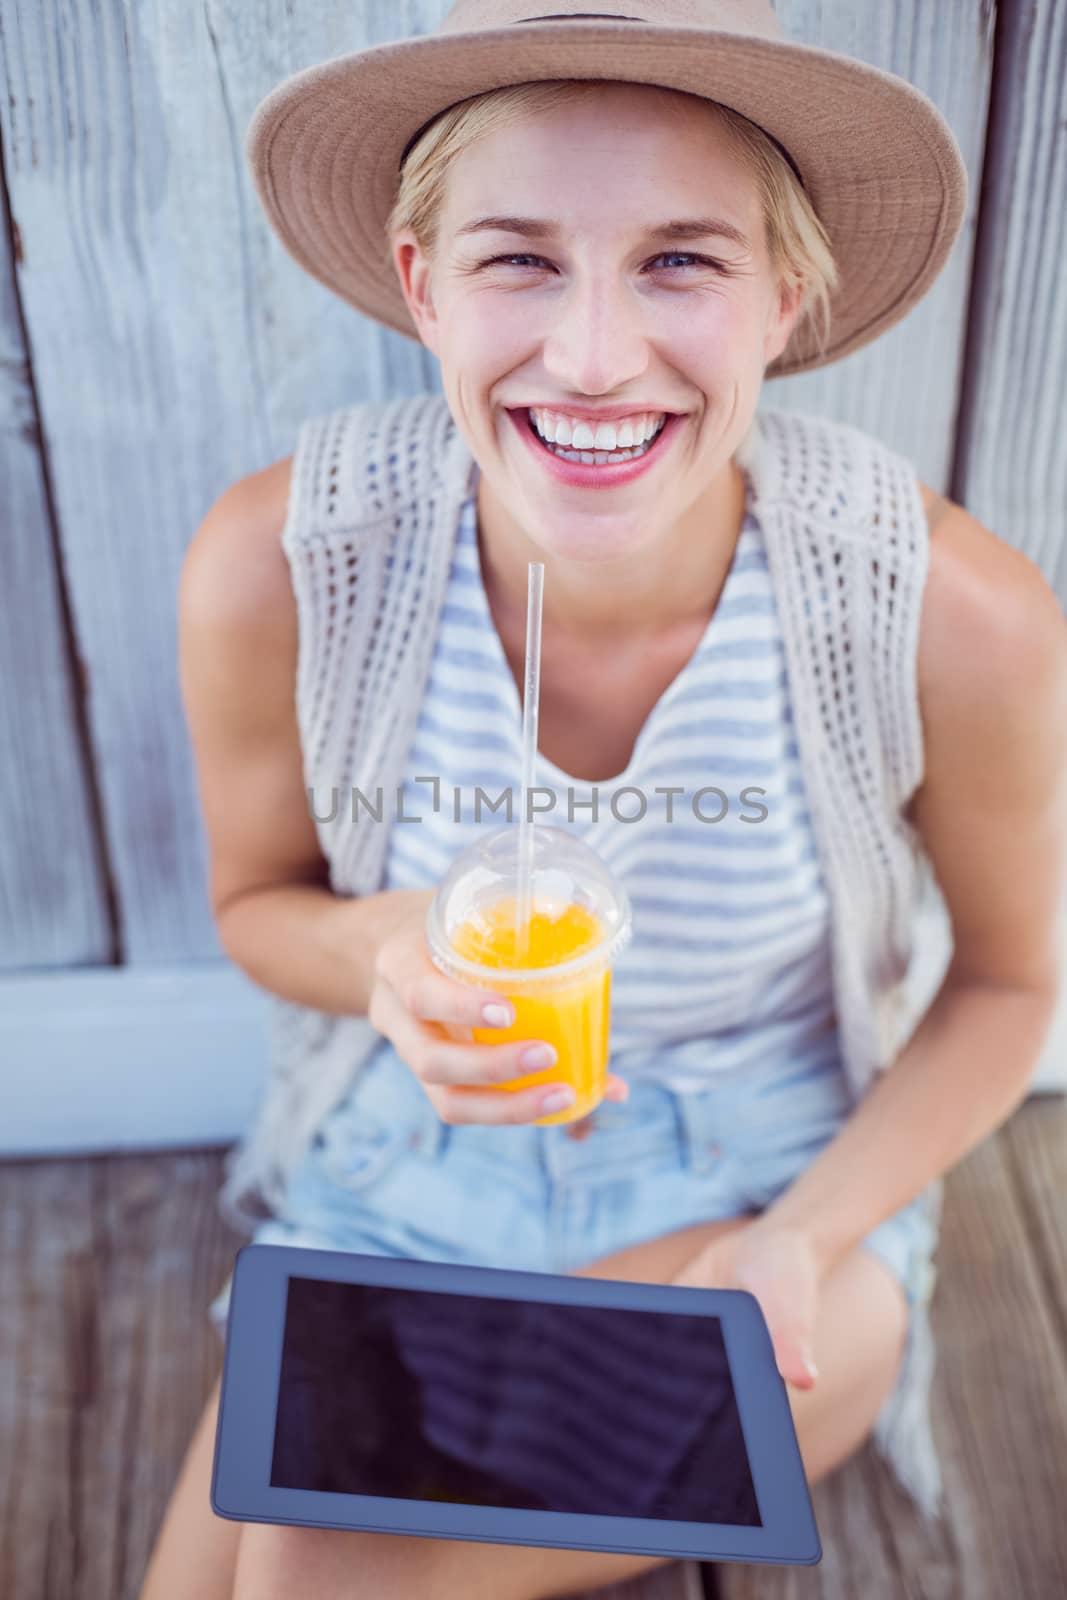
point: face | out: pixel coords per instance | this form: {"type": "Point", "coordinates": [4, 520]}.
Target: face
{"type": "Point", "coordinates": [603, 314]}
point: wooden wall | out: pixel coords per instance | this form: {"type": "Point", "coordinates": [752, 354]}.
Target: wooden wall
{"type": "Point", "coordinates": [156, 343]}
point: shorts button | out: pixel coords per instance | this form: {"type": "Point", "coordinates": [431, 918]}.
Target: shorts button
{"type": "Point", "coordinates": [414, 1140]}
{"type": "Point", "coordinates": [714, 1147]}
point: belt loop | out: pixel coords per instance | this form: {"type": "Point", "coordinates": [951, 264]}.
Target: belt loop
{"type": "Point", "coordinates": [694, 1111]}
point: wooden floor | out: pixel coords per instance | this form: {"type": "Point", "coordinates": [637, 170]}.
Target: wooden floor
{"type": "Point", "coordinates": [106, 1356]}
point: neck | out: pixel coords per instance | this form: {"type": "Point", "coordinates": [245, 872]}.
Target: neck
{"type": "Point", "coordinates": [675, 583]}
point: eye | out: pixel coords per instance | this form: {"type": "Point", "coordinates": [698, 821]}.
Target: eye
{"type": "Point", "coordinates": [676, 255]}
{"type": "Point", "coordinates": [520, 256]}
{"type": "Point", "coordinates": [687, 255]}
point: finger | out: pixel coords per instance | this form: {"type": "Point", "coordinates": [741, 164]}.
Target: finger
{"type": "Point", "coordinates": [790, 1344]}
{"type": "Point", "coordinates": [439, 1061]}
{"type": "Point", "coordinates": [410, 1038]}
{"type": "Point", "coordinates": [790, 1334]}
{"type": "Point", "coordinates": [431, 997]}
{"type": "Point", "coordinates": [617, 1088]}
{"type": "Point", "coordinates": [796, 1362]}
{"type": "Point", "coordinates": [459, 1104]}
{"type": "Point", "coordinates": [485, 1065]}
{"type": "Point", "coordinates": [794, 1367]}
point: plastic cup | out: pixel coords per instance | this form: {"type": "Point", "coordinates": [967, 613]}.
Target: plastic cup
{"type": "Point", "coordinates": [580, 920]}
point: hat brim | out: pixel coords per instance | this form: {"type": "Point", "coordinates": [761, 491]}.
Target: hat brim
{"type": "Point", "coordinates": [878, 160]}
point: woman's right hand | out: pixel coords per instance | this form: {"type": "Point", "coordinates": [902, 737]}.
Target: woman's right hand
{"type": "Point", "coordinates": [411, 1003]}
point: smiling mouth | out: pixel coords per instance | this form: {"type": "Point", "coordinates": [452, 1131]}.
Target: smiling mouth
{"type": "Point", "coordinates": [599, 457]}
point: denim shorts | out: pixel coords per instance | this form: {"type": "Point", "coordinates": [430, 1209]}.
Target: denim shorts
{"type": "Point", "coordinates": [385, 1176]}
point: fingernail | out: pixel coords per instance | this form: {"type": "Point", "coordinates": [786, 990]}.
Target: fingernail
{"type": "Point", "coordinates": [498, 1016]}
{"type": "Point", "coordinates": [809, 1366]}
{"type": "Point", "coordinates": [538, 1055]}
{"type": "Point", "coordinates": [558, 1100]}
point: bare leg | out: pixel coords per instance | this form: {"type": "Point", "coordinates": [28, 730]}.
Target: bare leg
{"type": "Point", "coordinates": [195, 1554]}
{"type": "Point", "coordinates": [858, 1344]}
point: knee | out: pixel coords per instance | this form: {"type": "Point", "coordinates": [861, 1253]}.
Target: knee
{"type": "Point", "coordinates": [860, 1339]}
{"type": "Point", "coordinates": [276, 1560]}
{"type": "Point", "coordinates": [890, 1320]}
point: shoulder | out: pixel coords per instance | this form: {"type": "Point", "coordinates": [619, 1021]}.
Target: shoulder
{"type": "Point", "coordinates": [990, 618]}
{"type": "Point", "coordinates": [235, 569]}
{"type": "Point", "coordinates": [991, 808]}
{"type": "Point", "coordinates": [237, 616]}
{"type": "Point", "coordinates": [992, 657]}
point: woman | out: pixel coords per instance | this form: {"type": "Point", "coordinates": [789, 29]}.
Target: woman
{"type": "Point", "coordinates": [748, 1138]}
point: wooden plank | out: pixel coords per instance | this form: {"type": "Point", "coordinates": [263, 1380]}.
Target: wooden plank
{"type": "Point", "coordinates": [52, 886]}
{"type": "Point", "coordinates": [1000, 1418]}
{"type": "Point", "coordinates": [106, 1359]}
{"type": "Point", "coordinates": [858, 1556]}
{"type": "Point", "coordinates": [904, 388]}
{"type": "Point", "coordinates": [45, 1232]}
{"type": "Point", "coordinates": [176, 347]}
{"type": "Point", "coordinates": [141, 231]}
{"type": "Point", "coordinates": [1011, 468]}
{"type": "Point", "coordinates": [1036, 1146]}
{"type": "Point", "coordinates": [159, 1337]}
{"type": "Point", "coordinates": [130, 1059]}
{"type": "Point", "coordinates": [1001, 1411]}
{"type": "Point", "coordinates": [145, 1058]}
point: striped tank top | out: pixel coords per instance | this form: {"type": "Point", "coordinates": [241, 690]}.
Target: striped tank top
{"type": "Point", "coordinates": [708, 828]}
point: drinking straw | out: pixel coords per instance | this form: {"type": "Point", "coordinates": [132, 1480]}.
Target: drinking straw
{"type": "Point", "coordinates": [535, 583]}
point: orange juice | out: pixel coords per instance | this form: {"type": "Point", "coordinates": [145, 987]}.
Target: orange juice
{"type": "Point", "coordinates": [574, 1018]}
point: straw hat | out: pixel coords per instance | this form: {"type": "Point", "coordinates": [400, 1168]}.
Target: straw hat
{"type": "Point", "coordinates": [877, 159]}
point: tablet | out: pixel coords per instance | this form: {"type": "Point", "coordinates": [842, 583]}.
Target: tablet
{"type": "Point", "coordinates": [468, 1402]}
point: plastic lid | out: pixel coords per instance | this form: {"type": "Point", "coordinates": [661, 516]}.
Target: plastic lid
{"type": "Point", "coordinates": [566, 872]}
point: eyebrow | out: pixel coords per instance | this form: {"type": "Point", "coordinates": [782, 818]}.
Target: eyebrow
{"type": "Point", "coordinates": [680, 228]}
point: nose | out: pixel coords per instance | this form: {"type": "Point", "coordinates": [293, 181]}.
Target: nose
{"type": "Point", "coordinates": [597, 340]}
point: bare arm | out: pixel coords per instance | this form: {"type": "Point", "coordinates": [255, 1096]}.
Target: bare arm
{"type": "Point", "coordinates": [276, 915]}
{"type": "Point", "coordinates": [992, 812]}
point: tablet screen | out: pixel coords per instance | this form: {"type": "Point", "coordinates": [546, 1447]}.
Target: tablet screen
{"type": "Point", "coordinates": [522, 1404]}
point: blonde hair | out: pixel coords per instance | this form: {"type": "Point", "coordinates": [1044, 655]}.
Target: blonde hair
{"type": "Point", "coordinates": [797, 243]}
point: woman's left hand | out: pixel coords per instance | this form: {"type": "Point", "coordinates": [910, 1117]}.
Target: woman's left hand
{"type": "Point", "coordinates": [777, 1265]}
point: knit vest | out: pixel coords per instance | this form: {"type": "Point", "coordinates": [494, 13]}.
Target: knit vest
{"type": "Point", "coordinates": [375, 495]}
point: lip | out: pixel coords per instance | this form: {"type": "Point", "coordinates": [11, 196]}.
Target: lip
{"type": "Point", "coordinates": [581, 476]}
{"type": "Point", "coordinates": [589, 414]}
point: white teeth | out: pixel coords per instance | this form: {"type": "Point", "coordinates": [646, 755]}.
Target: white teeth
{"type": "Point", "coordinates": [630, 432]}
{"type": "Point", "coordinates": [600, 457]}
